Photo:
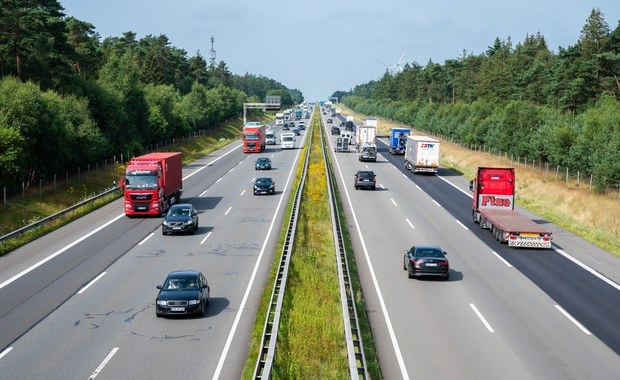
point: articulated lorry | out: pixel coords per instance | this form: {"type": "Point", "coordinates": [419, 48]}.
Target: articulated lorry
{"type": "Point", "coordinates": [152, 183]}
{"type": "Point", "coordinates": [398, 140]}
{"type": "Point", "coordinates": [254, 137]}
{"type": "Point", "coordinates": [279, 118]}
{"type": "Point", "coordinates": [493, 209]}
{"type": "Point", "coordinates": [365, 140]}
{"type": "Point", "coordinates": [422, 154]}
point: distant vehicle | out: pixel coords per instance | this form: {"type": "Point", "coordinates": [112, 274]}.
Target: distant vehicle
{"type": "Point", "coordinates": [296, 131]}
{"type": "Point", "coordinates": [335, 130]}
{"type": "Point", "coordinates": [263, 163]}
{"type": "Point", "coordinates": [367, 152]}
{"type": "Point", "coordinates": [398, 140]}
{"type": "Point", "coordinates": [365, 179]}
{"type": "Point", "coordinates": [348, 135]}
{"type": "Point", "coordinates": [280, 118]}
{"type": "Point", "coordinates": [302, 125]}
{"type": "Point", "coordinates": [426, 260]}
{"type": "Point", "coordinates": [422, 154]}
{"type": "Point", "coordinates": [287, 140]}
{"type": "Point", "coordinates": [270, 138]}
{"type": "Point", "coordinates": [329, 121]}
{"type": "Point", "coordinates": [264, 185]}
{"type": "Point", "coordinates": [298, 113]}
{"type": "Point", "coordinates": [183, 292]}
{"type": "Point", "coordinates": [180, 218]}
{"type": "Point", "coordinates": [338, 147]}
{"type": "Point", "coordinates": [285, 127]}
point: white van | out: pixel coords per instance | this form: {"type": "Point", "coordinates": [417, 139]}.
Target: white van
{"type": "Point", "coordinates": [287, 140]}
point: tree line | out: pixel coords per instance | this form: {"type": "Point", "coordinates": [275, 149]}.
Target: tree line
{"type": "Point", "coordinates": [561, 108]}
{"type": "Point", "coordinates": [70, 97]}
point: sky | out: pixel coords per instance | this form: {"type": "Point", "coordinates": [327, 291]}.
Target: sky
{"type": "Point", "coordinates": [323, 46]}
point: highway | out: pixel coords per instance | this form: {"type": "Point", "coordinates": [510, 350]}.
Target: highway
{"type": "Point", "coordinates": [87, 311]}
{"type": "Point", "coordinates": [505, 313]}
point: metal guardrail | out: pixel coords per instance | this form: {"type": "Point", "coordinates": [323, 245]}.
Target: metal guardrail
{"type": "Point", "coordinates": [57, 215]}
{"type": "Point", "coordinates": [269, 338]}
{"type": "Point", "coordinates": [355, 348]}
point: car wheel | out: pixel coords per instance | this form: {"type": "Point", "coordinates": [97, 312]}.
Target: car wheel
{"type": "Point", "coordinates": [447, 277]}
{"type": "Point", "coordinates": [404, 264]}
{"type": "Point", "coordinates": [374, 188]}
{"type": "Point", "coordinates": [409, 274]}
{"type": "Point", "coordinates": [158, 315]}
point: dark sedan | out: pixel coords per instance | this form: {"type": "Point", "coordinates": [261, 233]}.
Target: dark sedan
{"type": "Point", "coordinates": [264, 185]}
{"type": "Point", "coordinates": [335, 130]}
{"type": "Point", "coordinates": [365, 179]}
{"type": "Point", "coordinates": [426, 260]}
{"type": "Point", "coordinates": [181, 217]}
{"type": "Point", "coordinates": [183, 292]}
{"type": "Point", "coordinates": [262, 163]}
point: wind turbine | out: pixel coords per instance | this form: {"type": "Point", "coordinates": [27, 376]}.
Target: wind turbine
{"type": "Point", "coordinates": [399, 65]}
{"type": "Point", "coordinates": [390, 69]}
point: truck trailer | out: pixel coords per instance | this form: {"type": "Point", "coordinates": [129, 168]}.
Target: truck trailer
{"type": "Point", "coordinates": [422, 154]}
{"type": "Point", "coordinates": [152, 183]}
{"type": "Point", "coordinates": [254, 139]}
{"type": "Point", "coordinates": [398, 140]}
{"type": "Point", "coordinates": [493, 209]}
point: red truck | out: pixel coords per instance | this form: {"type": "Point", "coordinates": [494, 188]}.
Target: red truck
{"type": "Point", "coordinates": [254, 140]}
{"type": "Point", "coordinates": [493, 208]}
{"type": "Point", "coordinates": [152, 183]}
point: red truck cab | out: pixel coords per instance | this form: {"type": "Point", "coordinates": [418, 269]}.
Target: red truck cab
{"type": "Point", "coordinates": [152, 183]}
{"type": "Point", "coordinates": [254, 137]}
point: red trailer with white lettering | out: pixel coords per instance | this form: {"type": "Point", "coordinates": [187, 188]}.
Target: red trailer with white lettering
{"type": "Point", "coordinates": [493, 209]}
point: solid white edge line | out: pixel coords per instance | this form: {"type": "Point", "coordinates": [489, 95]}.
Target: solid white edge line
{"type": "Point", "coordinates": [92, 282]}
{"type": "Point", "coordinates": [558, 250]}
{"type": "Point", "coordinates": [241, 309]}
{"type": "Point", "coordinates": [435, 202]}
{"type": "Point", "coordinates": [388, 322]}
{"type": "Point", "coordinates": [3, 353]}
{"type": "Point", "coordinates": [570, 318]}
{"type": "Point", "coordinates": [48, 258]}
{"type": "Point", "coordinates": [502, 259]}
{"type": "Point", "coordinates": [103, 363]}
{"type": "Point", "coordinates": [206, 237]}
{"type": "Point", "coordinates": [479, 314]}
{"type": "Point", "coordinates": [146, 238]}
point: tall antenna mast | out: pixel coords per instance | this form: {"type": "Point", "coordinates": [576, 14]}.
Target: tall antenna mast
{"type": "Point", "coordinates": [212, 53]}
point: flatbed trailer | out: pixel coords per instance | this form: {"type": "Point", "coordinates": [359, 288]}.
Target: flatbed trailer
{"type": "Point", "coordinates": [508, 226]}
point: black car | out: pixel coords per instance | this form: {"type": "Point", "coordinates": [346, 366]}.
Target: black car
{"type": "Point", "coordinates": [365, 179]}
{"type": "Point", "coordinates": [329, 121]}
{"type": "Point", "coordinates": [285, 127]}
{"type": "Point", "coordinates": [426, 260]}
{"type": "Point", "coordinates": [335, 130]}
{"type": "Point", "coordinates": [264, 185]}
{"type": "Point", "coordinates": [181, 217]}
{"type": "Point", "coordinates": [183, 292]}
{"type": "Point", "coordinates": [262, 163]}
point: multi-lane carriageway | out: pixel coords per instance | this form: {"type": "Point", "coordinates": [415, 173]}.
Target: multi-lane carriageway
{"type": "Point", "coordinates": [78, 303]}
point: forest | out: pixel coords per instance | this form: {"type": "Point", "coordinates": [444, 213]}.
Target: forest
{"type": "Point", "coordinates": [71, 97]}
{"type": "Point", "coordinates": [522, 100]}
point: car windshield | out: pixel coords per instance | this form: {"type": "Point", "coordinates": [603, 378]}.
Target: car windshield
{"type": "Point", "coordinates": [263, 181]}
{"type": "Point", "coordinates": [180, 284]}
{"type": "Point", "coordinates": [432, 253]}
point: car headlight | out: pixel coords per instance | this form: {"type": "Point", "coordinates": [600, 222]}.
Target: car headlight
{"type": "Point", "coordinates": [194, 302]}
{"type": "Point", "coordinates": [162, 303]}
{"type": "Point", "coordinates": [165, 223]}
{"type": "Point", "coordinates": [189, 222]}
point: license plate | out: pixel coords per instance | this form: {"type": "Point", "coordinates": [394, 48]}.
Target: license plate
{"type": "Point", "coordinates": [177, 309]}
{"type": "Point", "coordinates": [525, 234]}
{"type": "Point", "coordinates": [176, 228]}
{"type": "Point", "coordinates": [431, 264]}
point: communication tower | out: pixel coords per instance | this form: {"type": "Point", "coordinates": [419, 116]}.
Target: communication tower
{"type": "Point", "coordinates": [212, 53]}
